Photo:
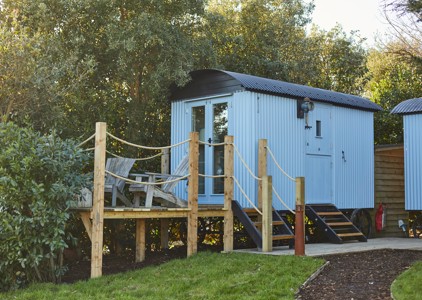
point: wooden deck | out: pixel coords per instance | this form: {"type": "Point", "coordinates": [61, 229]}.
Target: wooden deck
{"type": "Point", "coordinates": [153, 212]}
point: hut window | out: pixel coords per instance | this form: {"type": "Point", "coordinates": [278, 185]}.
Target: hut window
{"type": "Point", "coordinates": [318, 128]}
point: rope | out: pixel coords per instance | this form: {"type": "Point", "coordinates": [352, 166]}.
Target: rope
{"type": "Point", "coordinates": [146, 147]}
{"type": "Point", "coordinates": [87, 140]}
{"type": "Point", "coordinates": [89, 149]}
{"type": "Point", "coordinates": [144, 182]}
{"type": "Point", "coordinates": [244, 163]}
{"type": "Point", "coordinates": [211, 144]}
{"type": "Point", "coordinates": [212, 176]}
{"type": "Point", "coordinates": [137, 159]}
{"type": "Point", "coordinates": [244, 194]}
{"type": "Point", "coordinates": [282, 202]}
{"type": "Point", "coordinates": [278, 166]}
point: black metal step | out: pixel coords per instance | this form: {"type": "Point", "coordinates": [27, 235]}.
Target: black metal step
{"type": "Point", "coordinates": [281, 231]}
{"type": "Point", "coordinates": [336, 226]}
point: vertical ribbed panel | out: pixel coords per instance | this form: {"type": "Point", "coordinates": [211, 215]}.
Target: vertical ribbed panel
{"type": "Point", "coordinates": [180, 127]}
{"type": "Point", "coordinates": [353, 146]}
{"type": "Point", "coordinates": [243, 126]}
{"type": "Point", "coordinates": [253, 116]}
{"type": "Point", "coordinates": [413, 161]}
{"type": "Point", "coordinates": [278, 123]}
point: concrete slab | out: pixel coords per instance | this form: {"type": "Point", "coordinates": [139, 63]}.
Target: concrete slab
{"type": "Point", "coordinates": [352, 246]}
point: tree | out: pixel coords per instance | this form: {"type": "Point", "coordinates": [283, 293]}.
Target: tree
{"type": "Point", "coordinates": [261, 37]}
{"type": "Point", "coordinates": [339, 60]}
{"type": "Point", "coordinates": [405, 19]}
{"type": "Point", "coordinates": [269, 39]}
{"type": "Point", "coordinates": [128, 53]}
{"type": "Point", "coordinates": [39, 176]}
{"type": "Point", "coordinates": [393, 80]}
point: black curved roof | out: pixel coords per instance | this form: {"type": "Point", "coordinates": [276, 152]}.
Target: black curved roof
{"type": "Point", "coordinates": [411, 106]}
{"type": "Point", "coordinates": [213, 82]}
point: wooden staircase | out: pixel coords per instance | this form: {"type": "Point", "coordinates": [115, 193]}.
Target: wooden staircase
{"type": "Point", "coordinates": [282, 233]}
{"type": "Point", "coordinates": [335, 225]}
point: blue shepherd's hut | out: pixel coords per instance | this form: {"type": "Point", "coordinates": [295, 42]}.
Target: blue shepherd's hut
{"type": "Point", "coordinates": [412, 123]}
{"type": "Point", "coordinates": [325, 136]}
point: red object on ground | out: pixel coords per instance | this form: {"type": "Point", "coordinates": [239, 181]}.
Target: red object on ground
{"type": "Point", "coordinates": [378, 218]}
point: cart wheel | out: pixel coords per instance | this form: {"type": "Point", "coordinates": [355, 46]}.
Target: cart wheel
{"type": "Point", "coordinates": [417, 227]}
{"type": "Point", "coordinates": [362, 220]}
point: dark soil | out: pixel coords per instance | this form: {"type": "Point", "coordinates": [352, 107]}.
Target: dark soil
{"type": "Point", "coordinates": [362, 275]}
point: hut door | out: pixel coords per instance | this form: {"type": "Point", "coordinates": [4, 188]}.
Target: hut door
{"type": "Point", "coordinates": [318, 161]}
{"type": "Point", "coordinates": [210, 119]}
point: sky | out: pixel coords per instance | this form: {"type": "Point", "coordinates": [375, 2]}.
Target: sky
{"type": "Point", "coordinates": [362, 15]}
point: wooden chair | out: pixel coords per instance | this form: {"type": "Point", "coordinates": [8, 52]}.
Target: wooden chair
{"type": "Point", "coordinates": [161, 193]}
{"type": "Point", "coordinates": [120, 166]}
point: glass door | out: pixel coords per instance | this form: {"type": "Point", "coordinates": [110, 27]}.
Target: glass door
{"type": "Point", "coordinates": [210, 120]}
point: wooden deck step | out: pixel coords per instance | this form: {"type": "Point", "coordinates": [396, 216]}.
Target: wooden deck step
{"type": "Point", "coordinates": [275, 223]}
{"type": "Point", "coordinates": [339, 223]}
{"type": "Point", "coordinates": [350, 234]}
{"type": "Point", "coordinates": [250, 210]}
{"type": "Point", "coordinates": [330, 213]}
{"type": "Point", "coordinates": [283, 237]}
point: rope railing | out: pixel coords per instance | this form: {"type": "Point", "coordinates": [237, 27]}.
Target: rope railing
{"type": "Point", "coordinates": [282, 202]}
{"type": "Point", "coordinates": [246, 196]}
{"type": "Point", "coordinates": [89, 149]}
{"type": "Point", "coordinates": [244, 163]}
{"type": "Point", "coordinates": [212, 176]}
{"type": "Point", "coordinates": [136, 159]}
{"type": "Point", "coordinates": [278, 166]}
{"type": "Point", "coordinates": [146, 147]}
{"type": "Point", "coordinates": [86, 141]}
{"type": "Point", "coordinates": [212, 144]}
{"type": "Point", "coordinates": [145, 182]}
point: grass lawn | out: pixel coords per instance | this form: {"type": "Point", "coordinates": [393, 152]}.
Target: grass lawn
{"type": "Point", "coordinates": [202, 276]}
{"type": "Point", "coordinates": [408, 285]}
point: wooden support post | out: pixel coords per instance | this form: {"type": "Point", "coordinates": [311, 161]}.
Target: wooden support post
{"type": "Point", "coordinates": [98, 200]}
{"type": "Point", "coordinates": [164, 228]}
{"type": "Point", "coordinates": [193, 194]}
{"type": "Point", "coordinates": [140, 240]}
{"type": "Point", "coordinates": [262, 170]}
{"type": "Point", "coordinates": [87, 223]}
{"type": "Point", "coordinates": [164, 233]}
{"type": "Point", "coordinates": [165, 161]}
{"type": "Point", "coordinates": [299, 217]}
{"type": "Point", "coordinates": [228, 193]}
{"type": "Point", "coordinates": [267, 214]}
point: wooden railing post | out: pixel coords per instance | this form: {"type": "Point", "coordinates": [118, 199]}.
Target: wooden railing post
{"type": "Point", "coordinates": [267, 214]}
{"type": "Point", "coordinates": [140, 240]}
{"type": "Point", "coordinates": [164, 226]}
{"type": "Point", "coordinates": [299, 217]}
{"type": "Point", "coordinates": [228, 193]}
{"type": "Point", "coordinates": [193, 194]}
{"type": "Point", "coordinates": [98, 200]}
{"type": "Point", "coordinates": [262, 170]}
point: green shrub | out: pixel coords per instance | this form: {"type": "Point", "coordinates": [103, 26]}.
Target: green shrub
{"type": "Point", "coordinates": [39, 178]}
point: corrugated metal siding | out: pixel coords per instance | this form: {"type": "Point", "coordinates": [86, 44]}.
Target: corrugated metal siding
{"type": "Point", "coordinates": [243, 125]}
{"type": "Point", "coordinates": [281, 88]}
{"type": "Point", "coordinates": [253, 116]}
{"type": "Point", "coordinates": [410, 106]}
{"type": "Point", "coordinates": [353, 174]}
{"type": "Point", "coordinates": [278, 123]}
{"type": "Point", "coordinates": [179, 132]}
{"type": "Point", "coordinates": [413, 161]}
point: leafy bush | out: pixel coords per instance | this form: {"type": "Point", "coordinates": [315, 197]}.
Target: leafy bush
{"type": "Point", "coordinates": [39, 178]}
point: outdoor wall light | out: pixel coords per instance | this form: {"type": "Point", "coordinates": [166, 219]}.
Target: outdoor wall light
{"type": "Point", "coordinates": [307, 105]}
{"type": "Point", "coordinates": [304, 107]}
